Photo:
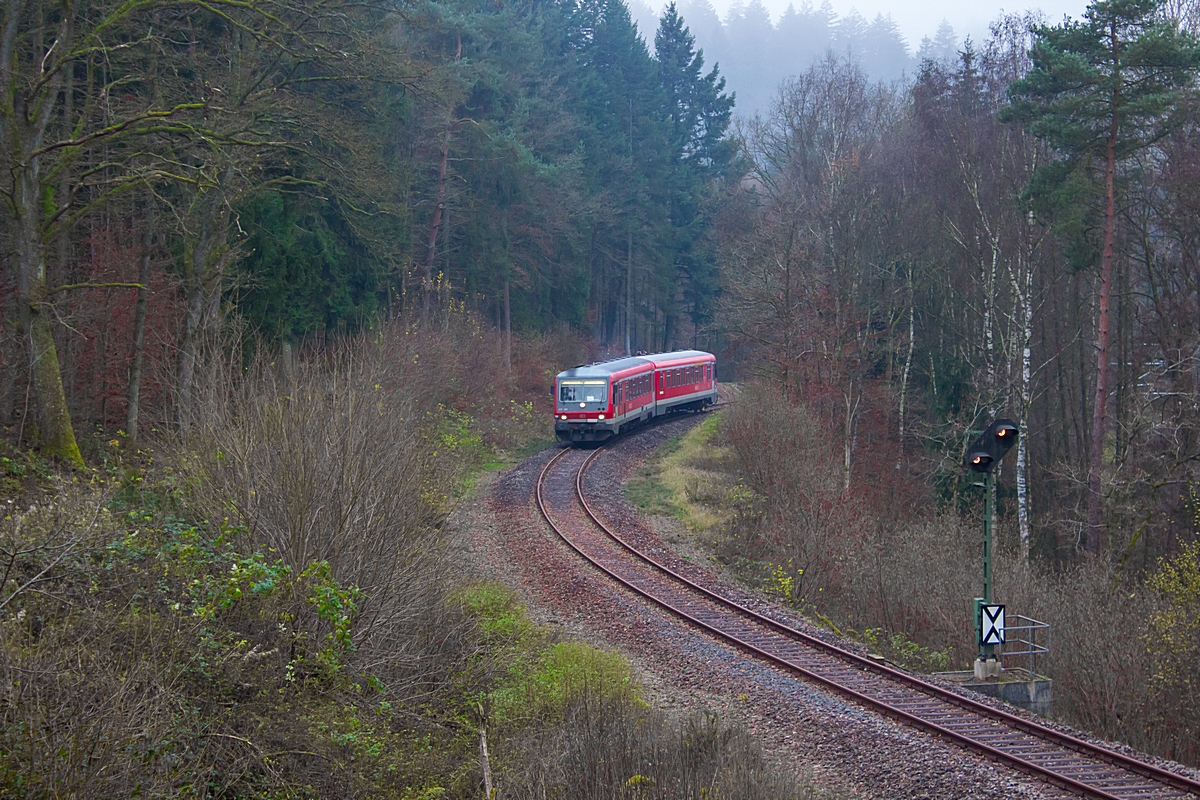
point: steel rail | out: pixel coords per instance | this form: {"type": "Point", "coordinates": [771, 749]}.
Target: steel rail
{"type": "Point", "coordinates": [1064, 781]}
{"type": "Point", "coordinates": [1171, 779]}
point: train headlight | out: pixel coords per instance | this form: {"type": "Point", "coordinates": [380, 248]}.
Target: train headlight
{"type": "Point", "coordinates": [583, 405]}
{"type": "Point", "coordinates": [564, 416]}
{"type": "Point", "coordinates": [601, 416]}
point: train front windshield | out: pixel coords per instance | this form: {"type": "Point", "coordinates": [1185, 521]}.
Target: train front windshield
{"type": "Point", "coordinates": [582, 395]}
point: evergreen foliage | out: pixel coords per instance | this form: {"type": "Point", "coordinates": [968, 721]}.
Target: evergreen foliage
{"type": "Point", "coordinates": [566, 163]}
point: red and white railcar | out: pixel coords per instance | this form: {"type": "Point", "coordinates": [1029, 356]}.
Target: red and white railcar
{"type": "Point", "coordinates": [596, 401]}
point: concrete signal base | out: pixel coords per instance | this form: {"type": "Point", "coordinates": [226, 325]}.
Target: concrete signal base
{"type": "Point", "coordinates": [1017, 686]}
{"type": "Point", "coordinates": [988, 669]}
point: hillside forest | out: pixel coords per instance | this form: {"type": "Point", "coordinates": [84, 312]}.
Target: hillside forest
{"type": "Point", "coordinates": [756, 53]}
{"type": "Point", "coordinates": [232, 224]}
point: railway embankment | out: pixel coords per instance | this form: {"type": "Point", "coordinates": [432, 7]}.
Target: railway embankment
{"type": "Point", "coordinates": [274, 603]}
{"type": "Point", "coordinates": [846, 751]}
{"type": "Point", "coordinates": [758, 501]}
{"type": "Point", "coordinates": [634, 616]}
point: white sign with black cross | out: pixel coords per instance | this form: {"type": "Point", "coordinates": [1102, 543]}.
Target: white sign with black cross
{"type": "Point", "coordinates": [991, 624]}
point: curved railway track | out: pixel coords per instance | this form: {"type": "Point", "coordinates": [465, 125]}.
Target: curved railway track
{"type": "Point", "coordinates": [1065, 761]}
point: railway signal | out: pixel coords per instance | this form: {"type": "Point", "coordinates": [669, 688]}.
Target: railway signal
{"type": "Point", "coordinates": [985, 452]}
{"type": "Point", "coordinates": [982, 457]}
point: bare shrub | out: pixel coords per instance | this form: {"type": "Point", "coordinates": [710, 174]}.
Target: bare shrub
{"type": "Point", "coordinates": [345, 458]}
{"type": "Point", "coordinates": [916, 578]}
{"type": "Point", "coordinates": [84, 709]}
{"type": "Point", "coordinates": [799, 518]}
{"type": "Point", "coordinates": [607, 748]}
{"type": "Point", "coordinates": [1099, 661]}
{"type": "Point", "coordinates": [39, 546]}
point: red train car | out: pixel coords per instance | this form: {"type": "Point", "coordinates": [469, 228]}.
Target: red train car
{"type": "Point", "coordinates": [596, 401]}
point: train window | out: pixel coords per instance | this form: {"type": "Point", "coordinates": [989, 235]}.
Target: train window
{"type": "Point", "coordinates": [587, 391]}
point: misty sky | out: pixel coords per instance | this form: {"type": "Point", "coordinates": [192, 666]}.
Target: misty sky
{"type": "Point", "coordinates": [919, 18]}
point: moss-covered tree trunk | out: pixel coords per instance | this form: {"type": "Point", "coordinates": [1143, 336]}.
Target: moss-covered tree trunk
{"type": "Point", "coordinates": [57, 435]}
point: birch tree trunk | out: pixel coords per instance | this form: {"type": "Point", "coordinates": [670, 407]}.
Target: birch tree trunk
{"type": "Point", "coordinates": [434, 225]}
{"type": "Point", "coordinates": [1022, 284]}
{"type": "Point", "coordinates": [850, 431]}
{"type": "Point", "coordinates": [907, 368]}
{"type": "Point", "coordinates": [439, 206]}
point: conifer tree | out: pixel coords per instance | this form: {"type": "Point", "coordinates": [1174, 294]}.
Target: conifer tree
{"type": "Point", "coordinates": [698, 113]}
{"type": "Point", "coordinates": [1102, 89]}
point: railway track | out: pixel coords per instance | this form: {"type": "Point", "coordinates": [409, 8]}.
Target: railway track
{"type": "Point", "coordinates": [1070, 763]}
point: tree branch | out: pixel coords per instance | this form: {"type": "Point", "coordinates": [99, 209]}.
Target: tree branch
{"type": "Point", "coordinates": [66, 287]}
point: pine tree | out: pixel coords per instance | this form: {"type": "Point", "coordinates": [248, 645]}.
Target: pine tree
{"type": "Point", "coordinates": [1101, 90]}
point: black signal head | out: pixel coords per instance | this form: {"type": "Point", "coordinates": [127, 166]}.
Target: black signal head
{"type": "Point", "coordinates": [986, 451]}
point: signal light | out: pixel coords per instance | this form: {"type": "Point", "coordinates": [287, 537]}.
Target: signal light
{"type": "Point", "coordinates": [980, 462]}
{"type": "Point", "coordinates": [986, 451]}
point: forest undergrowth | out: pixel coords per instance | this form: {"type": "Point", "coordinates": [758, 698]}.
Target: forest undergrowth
{"type": "Point", "coordinates": [765, 496]}
{"type": "Point", "coordinates": [266, 604]}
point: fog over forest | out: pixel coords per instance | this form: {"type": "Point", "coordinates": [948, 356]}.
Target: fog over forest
{"type": "Point", "coordinates": [755, 53]}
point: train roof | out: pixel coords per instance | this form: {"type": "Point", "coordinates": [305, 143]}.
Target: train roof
{"type": "Point", "coordinates": [679, 355]}
{"type": "Point", "coordinates": [603, 369]}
